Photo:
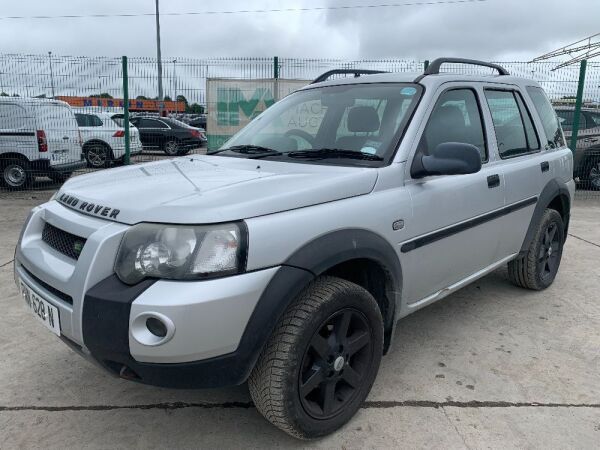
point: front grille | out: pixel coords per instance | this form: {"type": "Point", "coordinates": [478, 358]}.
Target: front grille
{"type": "Point", "coordinates": [66, 243]}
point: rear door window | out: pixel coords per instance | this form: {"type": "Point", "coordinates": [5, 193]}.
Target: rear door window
{"type": "Point", "coordinates": [513, 125]}
{"type": "Point", "coordinates": [95, 121]}
{"type": "Point", "coordinates": [547, 116]}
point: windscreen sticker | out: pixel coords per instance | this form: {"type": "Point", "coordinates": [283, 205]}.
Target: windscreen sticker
{"type": "Point", "coordinates": [408, 91]}
{"type": "Point", "coordinates": [370, 147]}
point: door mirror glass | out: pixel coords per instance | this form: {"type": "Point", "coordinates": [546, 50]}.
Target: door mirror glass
{"type": "Point", "coordinates": [451, 158]}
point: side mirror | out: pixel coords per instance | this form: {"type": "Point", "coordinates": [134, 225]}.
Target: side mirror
{"type": "Point", "coordinates": [451, 158]}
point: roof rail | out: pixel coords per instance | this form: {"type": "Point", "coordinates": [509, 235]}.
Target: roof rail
{"type": "Point", "coordinates": [434, 66]}
{"type": "Point", "coordinates": [357, 73]}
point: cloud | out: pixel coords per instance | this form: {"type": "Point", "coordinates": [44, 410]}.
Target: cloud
{"type": "Point", "coordinates": [495, 29]}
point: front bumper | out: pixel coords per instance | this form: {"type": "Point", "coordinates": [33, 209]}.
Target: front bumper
{"type": "Point", "coordinates": [220, 325]}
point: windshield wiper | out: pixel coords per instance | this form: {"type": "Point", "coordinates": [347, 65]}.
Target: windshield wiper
{"type": "Point", "coordinates": [253, 151]}
{"type": "Point", "coordinates": [327, 153]}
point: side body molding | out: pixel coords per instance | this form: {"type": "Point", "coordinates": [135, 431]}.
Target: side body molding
{"type": "Point", "coordinates": [555, 188]}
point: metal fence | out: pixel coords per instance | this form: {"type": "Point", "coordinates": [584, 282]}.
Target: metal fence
{"type": "Point", "coordinates": [93, 86]}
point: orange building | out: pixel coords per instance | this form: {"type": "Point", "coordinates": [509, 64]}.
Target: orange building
{"type": "Point", "coordinates": [134, 104]}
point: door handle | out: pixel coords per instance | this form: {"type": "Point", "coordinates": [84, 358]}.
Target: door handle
{"type": "Point", "coordinates": [493, 181]}
{"type": "Point", "coordinates": [545, 166]}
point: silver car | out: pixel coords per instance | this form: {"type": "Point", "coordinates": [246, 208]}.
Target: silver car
{"type": "Point", "coordinates": [287, 257]}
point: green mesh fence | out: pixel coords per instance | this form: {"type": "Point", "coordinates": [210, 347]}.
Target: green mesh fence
{"type": "Point", "coordinates": [214, 97]}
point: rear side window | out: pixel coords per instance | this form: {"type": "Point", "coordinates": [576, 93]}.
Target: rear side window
{"type": "Point", "coordinates": [95, 121]}
{"type": "Point", "coordinates": [514, 128]}
{"type": "Point", "coordinates": [547, 116]}
{"type": "Point", "coordinates": [150, 123]}
{"type": "Point", "coordinates": [12, 117]}
{"type": "Point", "coordinates": [88, 120]}
{"type": "Point", "coordinates": [81, 120]}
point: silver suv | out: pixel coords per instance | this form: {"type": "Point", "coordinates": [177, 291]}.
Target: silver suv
{"type": "Point", "coordinates": [287, 257]}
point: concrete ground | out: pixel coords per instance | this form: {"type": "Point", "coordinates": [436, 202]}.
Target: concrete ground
{"type": "Point", "coordinates": [492, 366]}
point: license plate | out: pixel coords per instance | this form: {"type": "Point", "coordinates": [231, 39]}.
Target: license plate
{"type": "Point", "coordinates": [60, 155]}
{"type": "Point", "coordinates": [41, 309]}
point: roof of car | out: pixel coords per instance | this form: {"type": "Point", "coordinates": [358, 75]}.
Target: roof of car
{"type": "Point", "coordinates": [95, 112]}
{"type": "Point", "coordinates": [32, 100]}
{"type": "Point", "coordinates": [429, 80]}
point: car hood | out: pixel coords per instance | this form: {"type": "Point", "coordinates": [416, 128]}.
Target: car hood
{"type": "Point", "coordinates": [209, 189]}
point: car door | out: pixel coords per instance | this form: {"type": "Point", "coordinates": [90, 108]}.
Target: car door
{"type": "Point", "coordinates": [57, 121]}
{"type": "Point", "coordinates": [526, 166]}
{"type": "Point", "coordinates": [453, 230]}
{"type": "Point", "coordinates": [150, 131]}
{"type": "Point", "coordinates": [83, 122]}
{"type": "Point", "coordinates": [17, 132]}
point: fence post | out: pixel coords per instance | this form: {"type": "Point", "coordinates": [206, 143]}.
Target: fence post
{"type": "Point", "coordinates": [126, 110]}
{"type": "Point", "coordinates": [275, 77]}
{"type": "Point", "coordinates": [578, 102]}
{"type": "Point", "coordinates": [425, 64]}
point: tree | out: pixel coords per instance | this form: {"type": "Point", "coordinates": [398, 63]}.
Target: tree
{"type": "Point", "coordinates": [103, 95]}
{"type": "Point", "coordinates": [181, 98]}
{"type": "Point", "coordinates": [194, 108]}
{"type": "Point", "coordinates": [142, 97]}
{"type": "Point", "coordinates": [4, 94]}
{"type": "Point", "coordinates": [167, 99]}
{"type": "Point", "coordinates": [40, 96]}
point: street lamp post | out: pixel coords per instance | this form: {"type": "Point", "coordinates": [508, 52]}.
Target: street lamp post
{"type": "Point", "coordinates": [51, 73]}
{"type": "Point", "coordinates": [175, 84]}
{"type": "Point", "coordinates": [158, 56]}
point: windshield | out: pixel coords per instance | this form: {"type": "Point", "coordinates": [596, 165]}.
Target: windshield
{"type": "Point", "coordinates": [345, 124]}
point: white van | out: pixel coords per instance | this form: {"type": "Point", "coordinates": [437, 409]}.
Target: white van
{"type": "Point", "coordinates": [38, 137]}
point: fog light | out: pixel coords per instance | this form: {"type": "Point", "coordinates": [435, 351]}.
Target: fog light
{"type": "Point", "coordinates": [156, 327]}
{"type": "Point", "coordinates": [152, 328]}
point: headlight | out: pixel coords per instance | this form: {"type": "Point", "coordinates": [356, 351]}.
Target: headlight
{"type": "Point", "coordinates": [181, 252]}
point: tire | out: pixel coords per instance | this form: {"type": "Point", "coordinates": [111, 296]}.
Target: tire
{"type": "Point", "coordinates": [184, 152]}
{"type": "Point", "coordinates": [98, 155]}
{"type": "Point", "coordinates": [171, 147]}
{"type": "Point", "coordinates": [343, 365]}
{"type": "Point", "coordinates": [16, 174]}
{"type": "Point", "coordinates": [593, 175]}
{"type": "Point", "coordinates": [537, 269]}
{"type": "Point", "coordinates": [60, 177]}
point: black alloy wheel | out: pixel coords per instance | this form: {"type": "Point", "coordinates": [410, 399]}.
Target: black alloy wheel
{"type": "Point", "coordinates": [335, 363]}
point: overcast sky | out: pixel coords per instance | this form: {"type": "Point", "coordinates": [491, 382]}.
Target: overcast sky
{"type": "Point", "coordinates": [493, 30]}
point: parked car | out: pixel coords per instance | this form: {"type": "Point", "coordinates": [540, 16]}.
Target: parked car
{"type": "Point", "coordinates": [586, 158]}
{"type": "Point", "coordinates": [169, 135]}
{"type": "Point", "coordinates": [287, 257]}
{"type": "Point", "coordinates": [104, 137]}
{"type": "Point", "coordinates": [38, 137]}
{"type": "Point", "coordinates": [199, 122]}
